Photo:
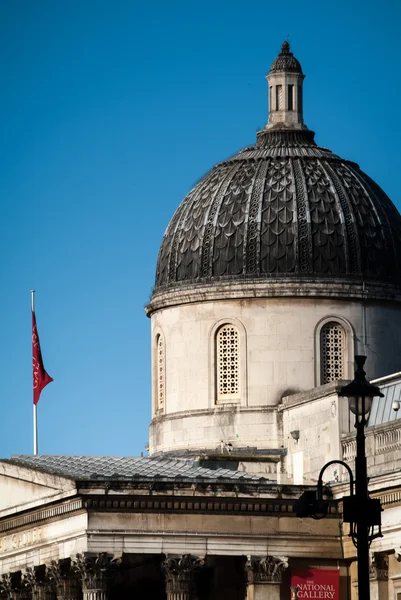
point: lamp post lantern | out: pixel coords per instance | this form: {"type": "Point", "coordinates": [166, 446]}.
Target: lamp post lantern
{"type": "Point", "coordinates": [360, 394]}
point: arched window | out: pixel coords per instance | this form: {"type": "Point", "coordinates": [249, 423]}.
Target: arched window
{"type": "Point", "coordinates": [160, 373]}
{"type": "Point", "coordinates": [227, 363]}
{"type": "Point", "coordinates": [332, 352]}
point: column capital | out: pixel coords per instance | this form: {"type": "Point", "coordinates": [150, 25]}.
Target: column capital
{"type": "Point", "coordinates": [267, 569]}
{"type": "Point", "coordinates": [378, 566]}
{"type": "Point", "coordinates": [180, 572]}
{"type": "Point", "coordinates": [60, 574]}
{"type": "Point", "coordinates": [38, 585]}
{"type": "Point", "coordinates": [12, 586]}
{"type": "Point", "coordinates": [6, 586]}
{"type": "Point", "coordinates": [94, 570]}
{"type": "Point", "coordinates": [29, 583]}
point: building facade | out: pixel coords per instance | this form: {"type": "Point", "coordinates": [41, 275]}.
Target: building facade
{"type": "Point", "coordinates": [278, 267]}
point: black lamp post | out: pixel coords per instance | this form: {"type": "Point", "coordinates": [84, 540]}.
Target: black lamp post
{"type": "Point", "coordinates": [360, 394]}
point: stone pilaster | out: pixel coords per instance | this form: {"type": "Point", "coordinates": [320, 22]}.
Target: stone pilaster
{"type": "Point", "coordinates": [378, 576]}
{"type": "Point", "coordinates": [95, 572]}
{"type": "Point", "coordinates": [59, 574]}
{"type": "Point", "coordinates": [264, 577]}
{"type": "Point", "coordinates": [180, 573]}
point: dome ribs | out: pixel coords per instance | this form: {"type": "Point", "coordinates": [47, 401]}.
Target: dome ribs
{"type": "Point", "coordinates": [277, 235]}
{"type": "Point", "coordinates": [208, 238]}
{"type": "Point", "coordinates": [370, 230]}
{"type": "Point", "coordinates": [328, 254]}
{"type": "Point", "coordinates": [192, 227]}
{"type": "Point", "coordinates": [390, 220]}
{"type": "Point", "coordinates": [163, 260]}
{"type": "Point", "coordinates": [175, 260]}
{"type": "Point", "coordinates": [174, 232]}
{"type": "Point", "coordinates": [252, 231]}
{"type": "Point", "coordinates": [350, 232]}
{"type": "Point", "coordinates": [228, 255]}
{"type": "Point", "coordinates": [304, 229]}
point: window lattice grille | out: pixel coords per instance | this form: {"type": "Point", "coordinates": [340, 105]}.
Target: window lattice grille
{"type": "Point", "coordinates": [160, 373]}
{"type": "Point", "coordinates": [332, 352]}
{"type": "Point", "coordinates": [227, 351]}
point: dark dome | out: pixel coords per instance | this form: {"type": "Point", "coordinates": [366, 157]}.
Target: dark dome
{"type": "Point", "coordinates": [286, 61]}
{"type": "Point", "coordinates": [283, 208]}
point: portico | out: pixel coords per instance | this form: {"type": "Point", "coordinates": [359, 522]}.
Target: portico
{"type": "Point", "coordinates": [171, 528]}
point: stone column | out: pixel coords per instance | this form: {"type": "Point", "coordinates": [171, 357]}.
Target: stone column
{"type": "Point", "coordinates": [61, 576]}
{"type": "Point", "coordinates": [379, 576]}
{"type": "Point", "coordinates": [95, 571]}
{"type": "Point", "coordinates": [264, 577]}
{"type": "Point", "coordinates": [180, 573]}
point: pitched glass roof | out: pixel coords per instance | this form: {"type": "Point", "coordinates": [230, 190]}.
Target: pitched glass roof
{"type": "Point", "coordinates": [83, 468]}
{"type": "Point", "coordinates": [382, 408]}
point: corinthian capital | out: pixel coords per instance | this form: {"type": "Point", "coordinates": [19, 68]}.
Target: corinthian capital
{"type": "Point", "coordinates": [378, 566]}
{"type": "Point", "coordinates": [64, 579]}
{"type": "Point", "coordinates": [95, 570]}
{"type": "Point", "coordinates": [14, 587]}
{"type": "Point", "coordinates": [268, 569]}
{"type": "Point", "coordinates": [6, 586]}
{"type": "Point", "coordinates": [180, 573]}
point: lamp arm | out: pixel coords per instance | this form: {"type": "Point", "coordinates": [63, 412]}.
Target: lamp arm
{"type": "Point", "coordinates": [332, 462]}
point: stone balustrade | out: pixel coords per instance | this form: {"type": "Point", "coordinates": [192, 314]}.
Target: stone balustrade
{"type": "Point", "coordinates": [383, 445]}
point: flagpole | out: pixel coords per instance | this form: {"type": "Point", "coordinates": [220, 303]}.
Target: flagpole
{"type": "Point", "coordinates": [35, 416]}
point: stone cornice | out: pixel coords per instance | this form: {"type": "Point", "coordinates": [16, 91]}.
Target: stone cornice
{"type": "Point", "coordinates": [245, 506]}
{"type": "Point", "coordinates": [323, 391]}
{"type": "Point", "coordinates": [193, 488]}
{"type": "Point", "coordinates": [47, 513]}
{"type": "Point", "coordinates": [285, 287]}
{"type": "Point", "coordinates": [202, 504]}
{"type": "Point", "coordinates": [217, 410]}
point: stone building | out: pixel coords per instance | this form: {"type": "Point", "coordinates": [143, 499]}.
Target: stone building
{"type": "Point", "coordinates": [277, 268]}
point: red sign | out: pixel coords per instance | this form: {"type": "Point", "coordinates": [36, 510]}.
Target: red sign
{"type": "Point", "coordinates": [315, 584]}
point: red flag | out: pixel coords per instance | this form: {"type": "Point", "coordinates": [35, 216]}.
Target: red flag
{"type": "Point", "coordinates": [40, 377]}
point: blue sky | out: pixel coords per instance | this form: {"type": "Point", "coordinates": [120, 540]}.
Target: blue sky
{"type": "Point", "coordinates": [110, 111]}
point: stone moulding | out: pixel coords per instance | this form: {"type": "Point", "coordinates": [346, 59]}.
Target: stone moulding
{"type": "Point", "coordinates": [45, 514]}
{"type": "Point", "coordinates": [286, 287]}
{"type": "Point", "coordinates": [185, 505]}
{"type": "Point", "coordinates": [218, 409]}
{"type": "Point", "coordinates": [176, 504]}
{"type": "Point", "coordinates": [317, 393]}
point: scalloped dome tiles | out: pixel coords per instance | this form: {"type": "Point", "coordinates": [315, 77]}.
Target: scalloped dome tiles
{"type": "Point", "coordinates": [284, 207]}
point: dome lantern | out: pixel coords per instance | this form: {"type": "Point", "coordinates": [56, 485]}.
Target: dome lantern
{"type": "Point", "coordinates": [285, 81]}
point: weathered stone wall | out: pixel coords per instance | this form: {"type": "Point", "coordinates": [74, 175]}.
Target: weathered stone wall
{"type": "Point", "coordinates": [278, 356]}
{"type": "Point", "coordinates": [312, 424]}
